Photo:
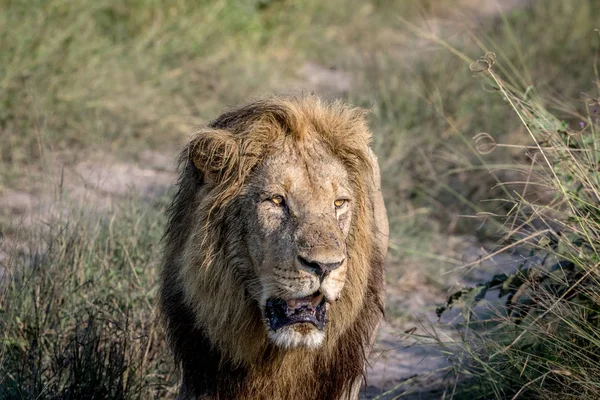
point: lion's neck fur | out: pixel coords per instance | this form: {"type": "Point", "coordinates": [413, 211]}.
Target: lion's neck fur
{"type": "Point", "coordinates": [327, 374]}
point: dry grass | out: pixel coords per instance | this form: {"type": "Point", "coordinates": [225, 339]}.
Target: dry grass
{"type": "Point", "coordinates": [544, 342]}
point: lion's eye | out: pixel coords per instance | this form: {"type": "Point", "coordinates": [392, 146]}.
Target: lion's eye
{"type": "Point", "coordinates": [339, 203]}
{"type": "Point", "coordinates": [277, 200]}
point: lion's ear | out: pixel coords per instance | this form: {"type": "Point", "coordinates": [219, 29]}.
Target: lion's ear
{"type": "Point", "coordinates": [214, 152]}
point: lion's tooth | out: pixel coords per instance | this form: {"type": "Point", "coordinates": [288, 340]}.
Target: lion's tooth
{"type": "Point", "coordinates": [292, 303]}
{"type": "Point", "coordinates": [317, 300]}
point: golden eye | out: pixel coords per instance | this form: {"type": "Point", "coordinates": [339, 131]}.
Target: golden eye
{"type": "Point", "coordinates": [277, 199]}
{"type": "Point", "coordinates": [339, 203]}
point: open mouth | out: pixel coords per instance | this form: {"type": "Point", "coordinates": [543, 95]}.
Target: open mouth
{"type": "Point", "coordinates": [309, 309]}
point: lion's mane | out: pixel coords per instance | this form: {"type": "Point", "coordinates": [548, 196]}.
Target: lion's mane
{"type": "Point", "coordinates": [214, 328]}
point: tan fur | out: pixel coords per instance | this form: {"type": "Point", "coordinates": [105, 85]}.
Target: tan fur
{"type": "Point", "coordinates": [214, 282]}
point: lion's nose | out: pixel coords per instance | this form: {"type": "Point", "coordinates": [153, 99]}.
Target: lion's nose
{"type": "Point", "coordinates": [319, 268]}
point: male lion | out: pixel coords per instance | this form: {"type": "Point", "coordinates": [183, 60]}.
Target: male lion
{"type": "Point", "coordinates": [273, 280]}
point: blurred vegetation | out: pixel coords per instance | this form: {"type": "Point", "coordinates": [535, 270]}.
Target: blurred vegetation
{"type": "Point", "coordinates": [88, 77]}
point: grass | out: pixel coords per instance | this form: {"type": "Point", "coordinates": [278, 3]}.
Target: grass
{"type": "Point", "coordinates": [79, 79]}
{"type": "Point", "coordinates": [544, 342]}
{"type": "Point", "coordinates": [78, 314]}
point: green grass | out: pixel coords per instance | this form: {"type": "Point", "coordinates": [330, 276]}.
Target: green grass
{"type": "Point", "coordinates": [79, 79]}
{"type": "Point", "coordinates": [78, 309]}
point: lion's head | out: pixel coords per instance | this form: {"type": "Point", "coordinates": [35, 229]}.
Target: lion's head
{"type": "Point", "coordinates": [278, 232]}
{"type": "Point", "coordinates": [298, 210]}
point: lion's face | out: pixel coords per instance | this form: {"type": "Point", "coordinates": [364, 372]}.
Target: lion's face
{"type": "Point", "coordinates": [299, 208]}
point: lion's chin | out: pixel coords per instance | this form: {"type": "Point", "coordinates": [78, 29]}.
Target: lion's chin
{"type": "Point", "coordinates": [298, 335]}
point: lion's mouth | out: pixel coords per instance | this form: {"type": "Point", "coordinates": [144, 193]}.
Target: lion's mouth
{"type": "Point", "coordinates": [309, 309]}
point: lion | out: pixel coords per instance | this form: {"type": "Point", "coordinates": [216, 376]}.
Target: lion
{"type": "Point", "coordinates": [272, 282]}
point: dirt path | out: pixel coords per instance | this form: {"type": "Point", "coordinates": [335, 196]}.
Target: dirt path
{"type": "Point", "coordinates": [408, 360]}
